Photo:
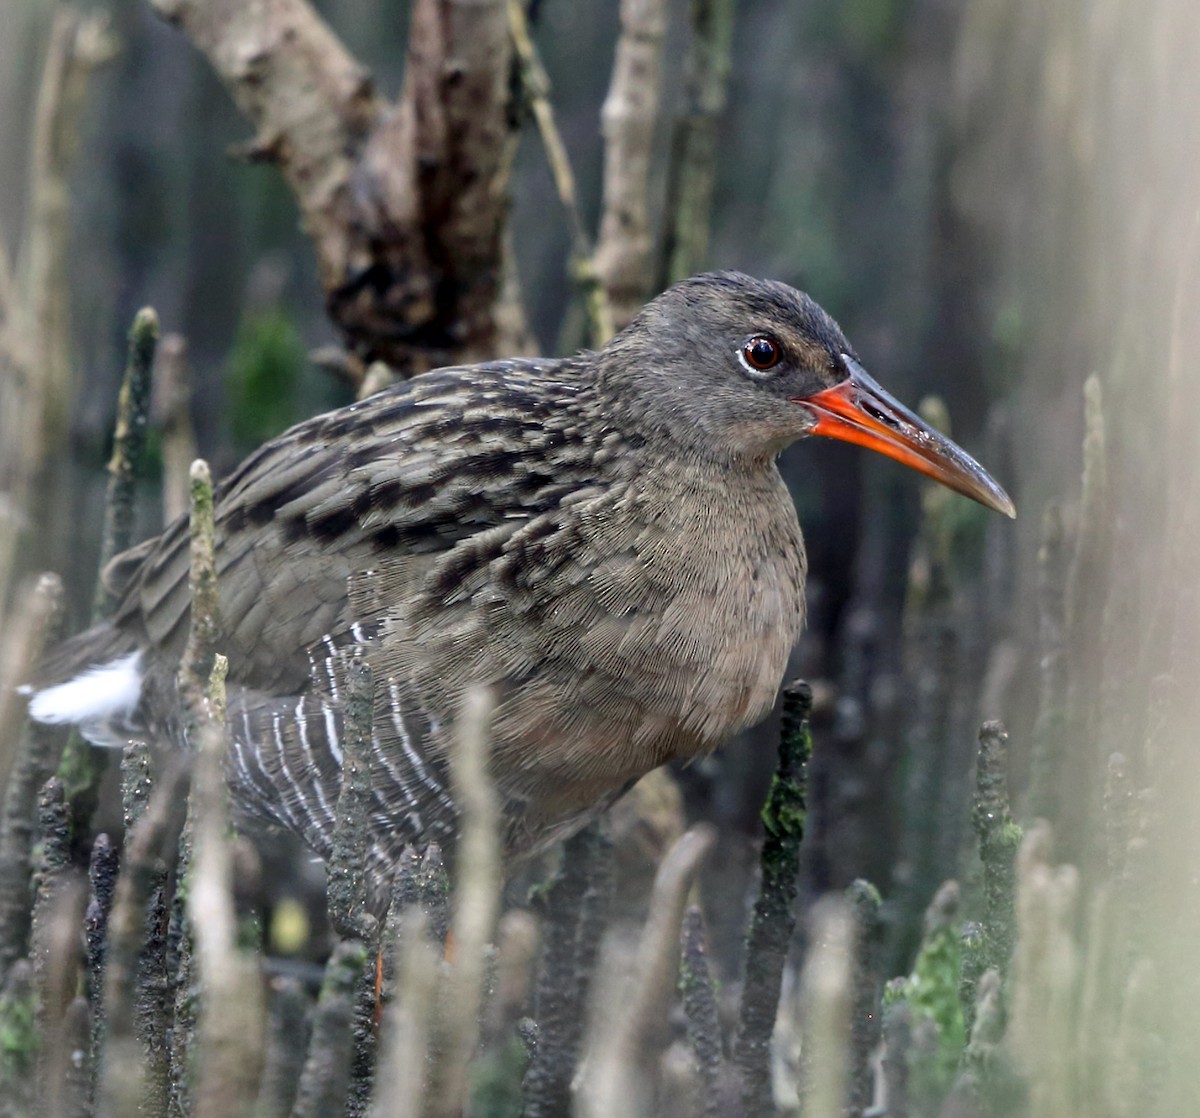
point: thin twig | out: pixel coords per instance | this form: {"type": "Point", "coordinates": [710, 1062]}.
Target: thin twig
{"type": "Point", "coordinates": [78, 45]}
{"type": "Point", "coordinates": [232, 1016]}
{"type": "Point", "coordinates": [629, 119]}
{"type": "Point", "coordinates": [536, 85]}
{"type": "Point", "coordinates": [82, 768]}
{"type": "Point", "coordinates": [694, 144]}
{"type": "Point", "coordinates": [129, 440]}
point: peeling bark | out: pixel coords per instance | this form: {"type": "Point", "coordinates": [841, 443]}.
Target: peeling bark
{"type": "Point", "coordinates": [405, 203]}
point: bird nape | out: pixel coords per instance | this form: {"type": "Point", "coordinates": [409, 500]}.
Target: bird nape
{"type": "Point", "coordinates": [604, 541]}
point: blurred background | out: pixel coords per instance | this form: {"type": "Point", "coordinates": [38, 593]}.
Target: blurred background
{"type": "Point", "coordinates": [997, 199]}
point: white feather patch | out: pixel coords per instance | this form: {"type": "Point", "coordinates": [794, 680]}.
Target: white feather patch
{"type": "Point", "coordinates": [100, 693]}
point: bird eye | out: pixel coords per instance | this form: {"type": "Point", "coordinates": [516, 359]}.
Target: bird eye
{"type": "Point", "coordinates": [761, 353]}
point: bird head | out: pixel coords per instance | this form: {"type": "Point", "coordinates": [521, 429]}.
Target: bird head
{"type": "Point", "coordinates": [739, 368]}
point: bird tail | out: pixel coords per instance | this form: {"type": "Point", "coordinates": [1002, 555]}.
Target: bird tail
{"type": "Point", "coordinates": [90, 680]}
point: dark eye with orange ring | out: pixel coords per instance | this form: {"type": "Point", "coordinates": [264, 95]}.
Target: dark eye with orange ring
{"type": "Point", "coordinates": [761, 354]}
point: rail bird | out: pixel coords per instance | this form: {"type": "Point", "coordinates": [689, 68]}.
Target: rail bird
{"type": "Point", "coordinates": [604, 540]}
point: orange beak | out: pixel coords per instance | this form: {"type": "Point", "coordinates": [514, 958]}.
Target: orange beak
{"type": "Point", "coordinates": [859, 411]}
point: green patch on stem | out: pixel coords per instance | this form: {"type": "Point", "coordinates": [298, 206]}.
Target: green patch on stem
{"type": "Point", "coordinates": [18, 1036]}
{"type": "Point", "coordinates": [932, 994]}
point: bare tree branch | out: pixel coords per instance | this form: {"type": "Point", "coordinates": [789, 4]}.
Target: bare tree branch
{"type": "Point", "coordinates": [405, 203]}
{"type": "Point", "coordinates": [35, 368]}
{"type": "Point", "coordinates": [78, 44]}
{"type": "Point", "coordinates": [694, 144]}
{"type": "Point", "coordinates": [629, 120]}
{"type": "Point", "coordinates": [536, 87]}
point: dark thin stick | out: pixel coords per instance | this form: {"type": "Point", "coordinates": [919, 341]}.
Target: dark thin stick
{"type": "Point", "coordinates": [773, 920]}
{"type": "Point", "coordinates": [154, 998]}
{"type": "Point", "coordinates": [152, 843]}
{"type": "Point", "coordinates": [54, 829]}
{"type": "Point", "coordinates": [102, 878]}
{"type": "Point", "coordinates": [326, 1075]}
{"type": "Point", "coordinates": [365, 1043]}
{"type": "Point", "coordinates": [287, 1042]}
{"type": "Point", "coordinates": [54, 935]}
{"type": "Point", "coordinates": [180, 959]}
{"type": "Point", "coordinates": [82, 768]}
{"type": "Point", "coordinates": [700, 1011]}
{"type": "Point", "coordinates": [153, 995]}
{"type": "Point", "coordinates": [137, 781]}
{"type": "Point", "coordinates": [576, 906]}
{"type": "Point", "coordinates": [129, 441]}
{"type": "Point", "coordinates": [31, 768]}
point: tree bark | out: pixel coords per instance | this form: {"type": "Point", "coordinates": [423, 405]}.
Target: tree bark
{"type": "Point", "coordinates": [406, 202]}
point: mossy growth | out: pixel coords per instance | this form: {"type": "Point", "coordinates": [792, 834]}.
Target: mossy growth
{"type": "Point", "coordinates": [932, 994]}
